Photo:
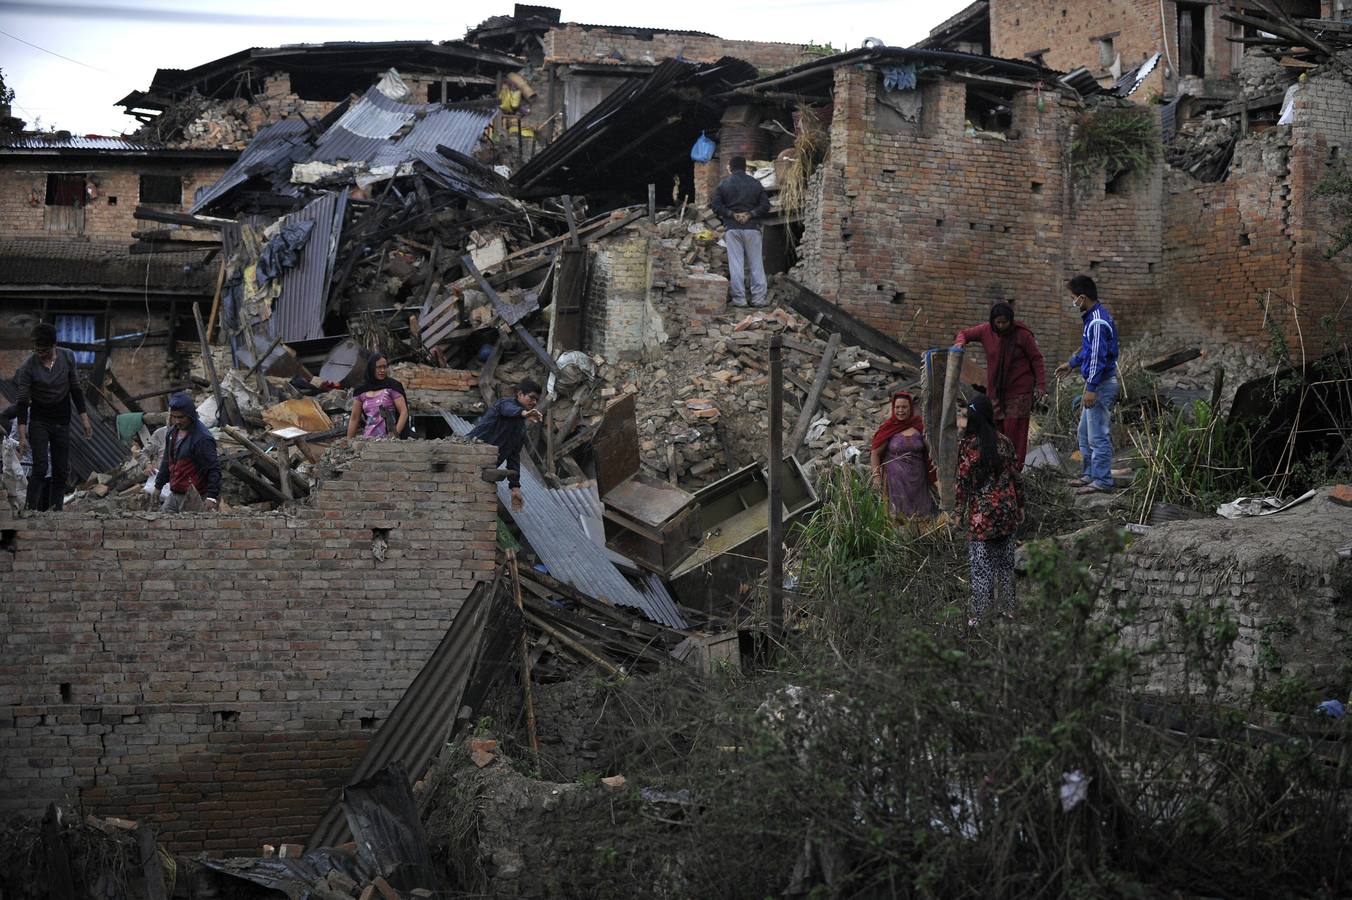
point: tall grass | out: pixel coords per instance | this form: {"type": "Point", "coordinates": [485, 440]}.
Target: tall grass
{"type": "Point", "coordinates": [1193, 458]}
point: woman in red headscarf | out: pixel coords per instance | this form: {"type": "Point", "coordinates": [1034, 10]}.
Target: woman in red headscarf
{"type": "Point", "coordinates": [901, 461]}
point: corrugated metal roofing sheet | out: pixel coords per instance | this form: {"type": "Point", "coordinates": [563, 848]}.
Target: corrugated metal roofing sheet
{"type": "Point", "coordinates": [551, 525]}
{"type": "Point", "coordinates": [369, 131]}
{"type": "Point", "coordinates": [30, 142]}
{"type": "Point", "coordinates": [298, 314]}
{"type": "Point", "coordinates": [103, 453]}
{"type": "Point", "coordinates": [271, 152]}
{"type": "Point", "coordinates": [422, 719]}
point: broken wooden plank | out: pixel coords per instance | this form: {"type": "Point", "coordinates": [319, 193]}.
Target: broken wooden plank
{"type": "Point", "coordinates": [1177, 358]}
{"type": "Point", "coordinates": [814, 395]}
{"type": "Point", "coordinates": [259, 484]}
{"type": "Point", "coordinates": [152, 867]}
{"type": "Point", "coordinates": [504, 310]}
{"type": "Point", "coordinates": [221, 413]}
{"type": "Point", "coordinates": [150, 214]}
{"type": "Point", "coordinates": [825, 314]}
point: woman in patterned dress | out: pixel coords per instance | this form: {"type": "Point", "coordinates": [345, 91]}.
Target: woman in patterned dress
{"type": "Point", "coordinates": [379, 408]}
{"type": "Point", "coordinates": [990, 504]}
{"type": "Point", "coordinates": [901, 461]}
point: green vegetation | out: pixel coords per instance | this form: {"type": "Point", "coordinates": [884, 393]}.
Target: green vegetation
{"type": "Point", "coordinates": [1115, 139]}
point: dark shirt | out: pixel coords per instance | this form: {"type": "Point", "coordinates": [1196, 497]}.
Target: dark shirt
{"type": "Point", "coordinates": [503, 425]}
{"type": "Point", "coordinates": [190, 460]}
{"type": "Point", "coordinates": [48, 392]}
{"type": "Point", "coordinates": [739, 192]}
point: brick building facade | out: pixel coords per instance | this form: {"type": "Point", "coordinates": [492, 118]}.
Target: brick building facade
{"type": "Point", "coordinates": [218, 675]}
{"type": "Point", "coordinates": [916, 229]}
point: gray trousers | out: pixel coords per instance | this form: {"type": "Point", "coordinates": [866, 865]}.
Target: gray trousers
{"type": "Point", "coordinates": [744, 255]}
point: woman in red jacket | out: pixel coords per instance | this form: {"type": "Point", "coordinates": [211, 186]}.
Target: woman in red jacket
{"type": "Point", "coordinates": [1014, 372]}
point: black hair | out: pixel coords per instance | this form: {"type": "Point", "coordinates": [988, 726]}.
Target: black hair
{"type": "Point", "coordinates": [44, 335]}
{"type": "Point", "coordinates": [981, 425]}
{"type": "Point", "coordinates": [1002, 308]}
{"type": "Point", "coordinates": [1083, 284]}
{"type": "Point", "coordinates": [738, 164]}
{"type": "Point", "coordinates": [528, 386]}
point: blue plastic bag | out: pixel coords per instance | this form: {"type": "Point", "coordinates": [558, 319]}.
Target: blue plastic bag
{"type": "Point", "coordinates": [703, 151]}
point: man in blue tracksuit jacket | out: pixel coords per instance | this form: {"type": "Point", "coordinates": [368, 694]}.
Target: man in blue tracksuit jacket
{"type": "Point", "coordinates": [1097, 362]}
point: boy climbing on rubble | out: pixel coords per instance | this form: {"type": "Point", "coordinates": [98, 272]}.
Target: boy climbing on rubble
{"type": "Point", "coordinates": [504, 426]}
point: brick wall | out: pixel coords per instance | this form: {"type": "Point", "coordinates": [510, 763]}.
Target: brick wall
{"type": "Point", "coordinates": [218, 675]}
{"type": "Point", "coordinates": [916, 231]}
{"type": "Point", "coordinates": [622, 321]}
{"type": "Point", "coordinates": [1069, 30]}
{"type": "Point", "coordinates": [23, 189]}
{"type": "Point", "coordinates": [1280, 580]}
{"type": "Point", "coordinates": [579, 43]}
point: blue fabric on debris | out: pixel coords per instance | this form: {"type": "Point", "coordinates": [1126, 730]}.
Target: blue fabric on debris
{"type": "Point", "coordinates": [899, 78]}
{"type": "Point", "coordinates": [283, 250]}
{"type": "Point", "coordinates": [1332, 708]}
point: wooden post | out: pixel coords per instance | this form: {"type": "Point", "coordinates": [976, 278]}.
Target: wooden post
{"type": "Point", "coordinates": [524, 645]}
{"type": "Point", "coordinates": [775, 555]}
{"type": "Point", "coordinates": [948, 430]}
{"type": "Point", "coordinates": [215, 301]}
{"type": "Point", "coordinates": [652, 203]}
{"type": "Point", "coordinates": [221, 416]}
{"type": "Point", "coordinates": [813, 395]}
{"type": "Point", "coordinates": [571, 218]}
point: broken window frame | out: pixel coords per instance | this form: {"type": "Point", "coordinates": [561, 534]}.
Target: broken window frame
{"type": "Point", "coordinates": [1192, 47]}
{"type": "Point", "coordinates": [994, 107]}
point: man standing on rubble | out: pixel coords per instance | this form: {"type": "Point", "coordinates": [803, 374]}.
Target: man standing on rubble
{"type": "Point", "coordinates": [190, 465]}
{"type": "Point", "coordinates": [1097, 362]}
{"type": "Point", "coordinates": [739, 201]}
{"type": "Point", "coordinates": [504, 426]}
{"type": "Point", "coordinates": [47, 385]}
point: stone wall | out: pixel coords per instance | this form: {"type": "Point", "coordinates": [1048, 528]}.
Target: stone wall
{"type": "Point", "coordinates": [117, 184]}
{"type": "Point", "coordinates": [218, 675]}
{"type": "Point", "coordinates": [1279, 577]}
{"type": "Point", "coordinates": [583, 43]}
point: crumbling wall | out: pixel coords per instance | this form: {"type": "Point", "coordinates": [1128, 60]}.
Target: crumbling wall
{"type": "Point", "coordinates": [622, 321]}
{"type": "Point", "coordinates": [232, 123]}
{"type": "Point", "coordinates": [1279, 577]}
{"type": "Point", "coordinates": [589, 44]}
{"type": "Point", "coordinates": [916, 230]}
{"type": "Point", "coordinates": [218, 675]}
{"type": "Point", "coordinates": [1321, 137]}
{"type": "Point", "coordinates": [1069, 34]}
{"type": "Point", "coordinates": [117, 188]}
{"type": "Point", "coordinates": [1228, 243]}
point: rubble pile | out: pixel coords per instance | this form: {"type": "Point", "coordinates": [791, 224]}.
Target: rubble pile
{"type": "Point", "coordinates": [1203, 146]}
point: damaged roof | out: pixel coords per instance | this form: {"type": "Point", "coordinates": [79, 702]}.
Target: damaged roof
{"type": "Point", "coordinates": [48, 264]}
{"type": "Point", "coordinates": [817, 76]}
{"type": "Point", "coordinates": [374, 129]}
{"type": "Point", "coordinates": [636, 132]}
{"type": "Point", "coordinates": [224, 74]}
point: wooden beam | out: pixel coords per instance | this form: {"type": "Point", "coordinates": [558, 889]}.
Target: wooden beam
{"type": "Point", "coordinates": [814, 395]}
{"type": "Point", "coordinates": [518, 329]}
{"type": "Point", "coordinates": [825, 314]}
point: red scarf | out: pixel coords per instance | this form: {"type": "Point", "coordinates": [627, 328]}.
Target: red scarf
{"type": "Point", "coordinates": [893, 426]}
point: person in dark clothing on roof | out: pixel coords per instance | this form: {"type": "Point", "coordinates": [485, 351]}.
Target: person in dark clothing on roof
{"type": "Point", "coordinates": [190, 460]}
{"type": "Point", "coordinates": [47, 384]}
{"type": "Point", "coordinates": [1015, 373]}
{"type": "Point", "coordinates": [504, 426]}
{"type": "Point", "coordinates": [739, 201]}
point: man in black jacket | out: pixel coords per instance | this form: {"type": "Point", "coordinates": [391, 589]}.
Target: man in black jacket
{"type": "Point", "coordinates": [47, 385]}
{"type": "Point", "coordinates": [739, 201]}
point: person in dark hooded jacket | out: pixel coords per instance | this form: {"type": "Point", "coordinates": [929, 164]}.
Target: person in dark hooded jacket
{"type": "Point", "coordinates": [190, 459]}
{"type": "Point", "coordinates": [1015, 373]}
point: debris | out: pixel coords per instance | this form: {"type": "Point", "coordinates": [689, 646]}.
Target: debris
{"type": "Point", "coordinates": [1259, 506]}
{"type": "Point", "coordinates": [1074, 789]}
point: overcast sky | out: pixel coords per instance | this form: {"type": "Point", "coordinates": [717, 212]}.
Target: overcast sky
{"type": "Point", "coordinates": [94, 52]}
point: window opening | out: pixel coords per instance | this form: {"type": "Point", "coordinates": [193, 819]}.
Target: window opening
{"type": "Point", "coordinates": [166, 189]}
{"type": "Point", "coordinates": [76, 329]}
{"type": "Point", "coordinates": [988, 110]}
{"type": "Point", "coordinates": [1192, 40]}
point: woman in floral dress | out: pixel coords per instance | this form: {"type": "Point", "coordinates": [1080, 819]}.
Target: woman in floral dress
{"type": "Point", "coordinates": [379, 406]}
{"type": "Point", "coordinates": [990, 503]}
{"type": "Point", "coordinates": [901, 463]}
